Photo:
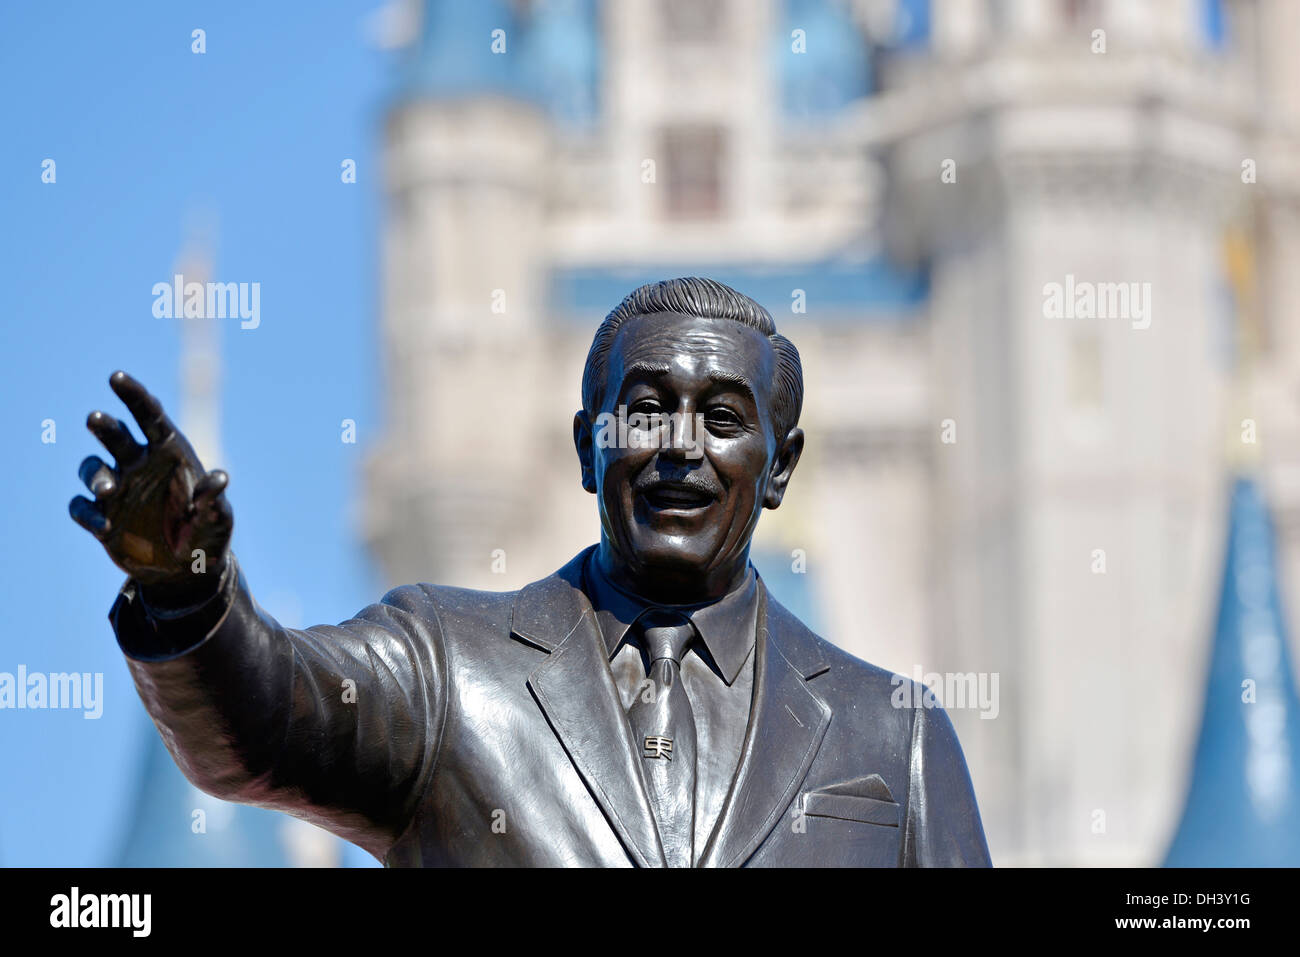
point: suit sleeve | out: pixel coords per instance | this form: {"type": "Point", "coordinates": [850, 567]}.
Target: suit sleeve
{"type": "Point", "coordinates": [335, 724]}
{"type": "Point", "coordinates": [942, 823]}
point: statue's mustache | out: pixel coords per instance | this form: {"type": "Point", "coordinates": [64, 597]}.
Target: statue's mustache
{"type": "Point", "coordinates": [697, 485]}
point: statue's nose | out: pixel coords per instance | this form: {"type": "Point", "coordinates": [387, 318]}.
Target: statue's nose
{"type": "Point", "coordinates": [683, 433]}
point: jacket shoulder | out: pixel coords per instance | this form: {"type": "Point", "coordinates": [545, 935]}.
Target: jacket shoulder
{"type": "Point", "coordinates": [814, 655]}
{"type": "Point", "coordinates": [864, 672]}
{"type": "Point", "coordinates": [477, 609]}
{"type": "Point", "coordinates": [448, 605]}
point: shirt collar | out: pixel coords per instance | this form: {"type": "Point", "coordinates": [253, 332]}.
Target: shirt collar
{"type": "Point", "coordinates": [726, 627]}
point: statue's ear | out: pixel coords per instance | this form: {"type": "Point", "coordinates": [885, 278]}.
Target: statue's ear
{"type": "Point", "coordinates": [582, 441]}
{"type": "Point", "coordinates": [783, 463]}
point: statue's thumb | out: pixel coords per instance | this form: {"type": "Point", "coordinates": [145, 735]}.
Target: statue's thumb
{"type": "Point", "coordinates": [209, 487]}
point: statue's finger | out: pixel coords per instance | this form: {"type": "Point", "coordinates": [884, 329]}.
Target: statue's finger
{"type": "Point", "coordinates": [86, 514]}
{"type": "Point", "coordinates": [99, 478]}
{"type": "Point", "coordinates": [220, 515]}
{"type": "Point", "coordinates": [148, 411]}
{"type": "Point", "coordinates": [211, 502]}
{"type": "Point", "coordinates": [208, 488]}
{"type": "Point", "coordinates": [116, 437]}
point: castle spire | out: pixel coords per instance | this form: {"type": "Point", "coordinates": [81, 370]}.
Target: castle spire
{"type": "Point", "coordinates": [200, 371]}
{"type": "Point", "coordinates": [1243, 805]}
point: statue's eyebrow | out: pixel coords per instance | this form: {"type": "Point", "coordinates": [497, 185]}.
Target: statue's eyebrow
{"type": "Point", "coordinates": [645, 369]}
{"type": "Point", "coordinates": [736, 381]}
{"type": "Point", "coordinates": [654, 370]}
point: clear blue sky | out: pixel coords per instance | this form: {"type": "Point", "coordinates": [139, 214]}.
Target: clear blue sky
{"type": "Point", "coordinates": [144, 132]}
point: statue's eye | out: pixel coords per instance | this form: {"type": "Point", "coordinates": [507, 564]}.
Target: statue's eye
{"type": "Point", "coordinates": [720, 417]}
{"type": "Point", "coordinates": [645, 407]}
{"type": "Point", "coordinates": [645, 415]}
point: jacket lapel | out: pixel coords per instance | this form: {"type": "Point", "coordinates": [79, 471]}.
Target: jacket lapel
{"type": "Point", "coordinates": [786, 725]}
{"type": "Point", "coordinates": [575, 689]}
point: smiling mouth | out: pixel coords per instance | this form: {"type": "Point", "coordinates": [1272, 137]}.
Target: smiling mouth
{"type": "Point", "coordinates": [668, 496]}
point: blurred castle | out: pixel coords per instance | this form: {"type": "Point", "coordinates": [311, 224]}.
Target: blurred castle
{"type": "Point", "coordinates": [986, 488]}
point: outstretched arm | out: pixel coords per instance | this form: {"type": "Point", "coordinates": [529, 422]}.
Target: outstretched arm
{"type": "Point", "coordinates": [334, 724]}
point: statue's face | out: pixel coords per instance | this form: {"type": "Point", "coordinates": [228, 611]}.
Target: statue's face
{"type": "Point", "coordinates": [681, 487]}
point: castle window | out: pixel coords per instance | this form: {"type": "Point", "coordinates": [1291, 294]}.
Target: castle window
{"type": "Point", "coordinates": [691, 21]}
{"type": "Point", "coordinates": [692, 171]}
{"type": "Point", "coordinates": [1079, 13]}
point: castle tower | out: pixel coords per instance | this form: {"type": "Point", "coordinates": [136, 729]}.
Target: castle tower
{"type": "Point", "coordinates": [465, 155]}
{"type": "Point", "coordinates": [1094, 152]}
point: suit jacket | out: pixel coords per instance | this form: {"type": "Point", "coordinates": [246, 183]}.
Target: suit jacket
{"type": "Point", "coordinates": [444, 726]}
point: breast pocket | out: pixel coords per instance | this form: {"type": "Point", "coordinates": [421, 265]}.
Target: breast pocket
{"type": "Point", "coordinates": [850, 807]}
{"type": "Point", "coordinates": [846, 830]}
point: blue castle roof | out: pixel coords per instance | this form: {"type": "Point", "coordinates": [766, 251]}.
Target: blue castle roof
{"type": "Point", "coordinates": [453, 54]}
{"type": "Point", "coordinates": [1243, 805]}
{"type": "Point", "coordinates": [828, 67]}
{"type": "Point", "coordinates": [549, 55]}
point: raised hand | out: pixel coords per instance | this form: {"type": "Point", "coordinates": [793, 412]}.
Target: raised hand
{"type": "Point", "coordinates": [157, 504]}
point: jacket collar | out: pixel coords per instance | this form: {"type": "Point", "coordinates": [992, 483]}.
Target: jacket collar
{"type": "Point", "coordinates": [727, 627]}
{"type": "Point", "coordinates": [575, 689]}
{"type": "Point", "coordinates": [547, 611]}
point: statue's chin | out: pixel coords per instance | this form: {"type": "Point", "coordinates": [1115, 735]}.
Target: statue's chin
{"type": "Point", "coordinates": [672, 571]}
{"type": "Point", "coordinates": [672, 552]}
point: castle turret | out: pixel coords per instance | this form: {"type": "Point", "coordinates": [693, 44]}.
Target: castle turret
{"type": "Point", "coordinates": [465, 165]}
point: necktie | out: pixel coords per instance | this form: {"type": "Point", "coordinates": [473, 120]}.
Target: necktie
{"type": "Point", "coordinates": [663, 727]}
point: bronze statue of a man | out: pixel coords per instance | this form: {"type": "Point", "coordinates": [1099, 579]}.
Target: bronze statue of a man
{"type": "Point", "coordinates": [648, 704]}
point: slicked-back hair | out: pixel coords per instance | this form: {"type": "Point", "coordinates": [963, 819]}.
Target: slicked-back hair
{"type": "Point", "coordinates": [706, 299]}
